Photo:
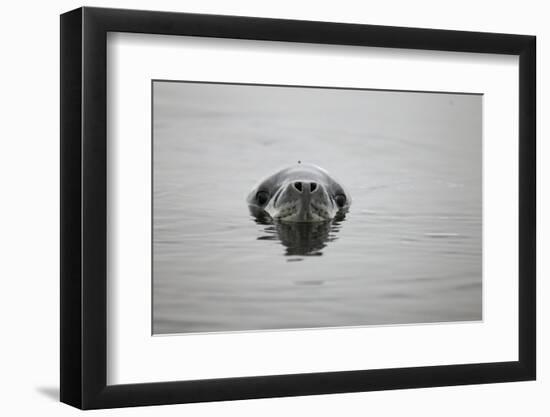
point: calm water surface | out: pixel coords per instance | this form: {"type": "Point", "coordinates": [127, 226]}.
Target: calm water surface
{"type": "Point", "coordinates": [409, 250]}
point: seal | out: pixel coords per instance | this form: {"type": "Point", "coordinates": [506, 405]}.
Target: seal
{"type": "Point", "coordinates": [299, 193]}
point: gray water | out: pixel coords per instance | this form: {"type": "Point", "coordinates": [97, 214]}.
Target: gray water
{"type": "Point", "coordinates": [408, 251]}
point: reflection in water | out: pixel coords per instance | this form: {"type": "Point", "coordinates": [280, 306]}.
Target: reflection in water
{"type": "Point", "coordinates": [300, 238]}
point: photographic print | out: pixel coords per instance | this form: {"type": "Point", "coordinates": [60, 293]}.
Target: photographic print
{"type": "Point", "coordinates": [300, 207]}
{"type": "Point", "coordinates": [271, 188]}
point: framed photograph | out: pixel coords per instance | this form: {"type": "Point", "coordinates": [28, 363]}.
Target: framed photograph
{"type": "Point", "coordinates": [257, 208]}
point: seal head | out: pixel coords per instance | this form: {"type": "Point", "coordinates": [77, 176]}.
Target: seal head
{"type": "Point", "coordinates": [299, 193]}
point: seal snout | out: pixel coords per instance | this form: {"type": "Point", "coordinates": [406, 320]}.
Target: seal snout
{"type": "Point", "coordinates": [305, 186]}
{"type": "Point", "coordinates": [303, 200]}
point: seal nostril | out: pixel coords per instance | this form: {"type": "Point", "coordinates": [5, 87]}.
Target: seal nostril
{"type": "Point", "coordinates": [298, 186]}
{"type": "Point", "coordinates": [313, 186]}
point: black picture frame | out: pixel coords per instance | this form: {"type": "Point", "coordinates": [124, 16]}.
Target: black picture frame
{"type": "Point", "coordinates": [84, 207]}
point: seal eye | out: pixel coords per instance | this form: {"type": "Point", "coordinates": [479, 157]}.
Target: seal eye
{"type": "Point", "coordinates": [340, 200]}
{"type": "Point", "coordinates": [262, 197]}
